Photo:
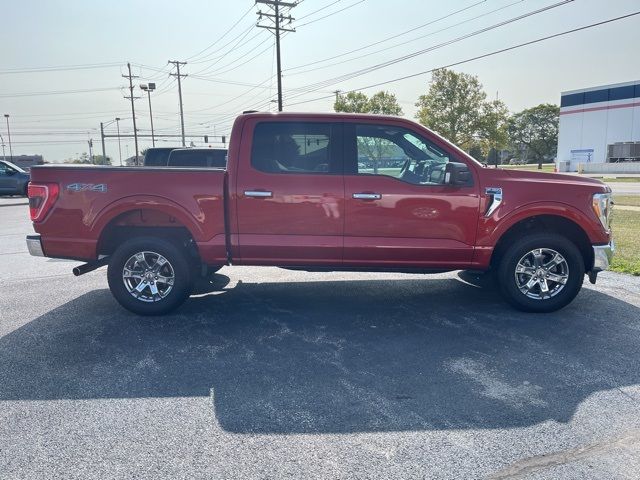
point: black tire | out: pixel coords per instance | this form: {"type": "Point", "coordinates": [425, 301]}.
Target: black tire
{"type": "Point", "coordinates": [571, 270]}
{"type": "Point", "coordinates": [25, 190]}
{"type": "Point", "coordinates": [147, 302]}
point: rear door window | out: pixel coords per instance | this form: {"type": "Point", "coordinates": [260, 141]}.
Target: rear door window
{"type": "Point", "coordinates": [296, 147]}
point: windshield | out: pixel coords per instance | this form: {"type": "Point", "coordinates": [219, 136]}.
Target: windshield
{"type": "Point", "coordinates": [12, 165]}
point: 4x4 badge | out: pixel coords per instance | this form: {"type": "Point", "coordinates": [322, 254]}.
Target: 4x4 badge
{"type": "Point", "coordinates": [87, 187]}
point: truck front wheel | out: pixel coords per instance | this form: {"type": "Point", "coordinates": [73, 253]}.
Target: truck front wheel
{"type": "Point", "coordinates": [149, 276]}
{"type": "Point", "coordinates": [541, 272]}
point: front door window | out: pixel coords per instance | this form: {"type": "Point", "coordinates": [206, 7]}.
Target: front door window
{"type": "Point", "coordinates": [399, 153]}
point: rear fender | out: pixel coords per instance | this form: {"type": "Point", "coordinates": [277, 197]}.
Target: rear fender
{"type": "Point", "coordinates": [182, 217]}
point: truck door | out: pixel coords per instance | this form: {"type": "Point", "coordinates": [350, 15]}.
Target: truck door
{"type": "Point", "coordinates": [290, 193]}
{"type": "Point", "coordinates": [399, 210]}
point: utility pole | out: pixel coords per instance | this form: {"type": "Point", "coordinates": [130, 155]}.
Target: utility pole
{"type": "Point", "coordinates": [90, 142]}
{"type": "Point", "coordinates": [133, 108]}
{"type": "Point", "coordinates": [337, 92]}
{"type": "Point", "coordinates": [150, 87]}
{"type": "Point", "coordinates": [6, 115]}
{"type": "Point", "coordinates": [179, 76]}
{"type": "Point", "coordinates": [104, 155]}
{"type": "Point", "coordinates": [4, 156]}
{"type": "Point", "coordinates": [119, 146]}
{"type": "Point", "coordinates": [275, 26]}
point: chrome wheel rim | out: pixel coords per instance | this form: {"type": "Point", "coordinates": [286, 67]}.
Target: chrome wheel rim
{"type": "Point", "coordinates": [541, 273]}
{"type": "Point", "coordinates": [148, 276]}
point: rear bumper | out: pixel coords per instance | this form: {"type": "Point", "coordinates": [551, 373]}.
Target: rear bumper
{"type": "Point", "coordinates": [34, 244]}
{"type": "Point", "coordinates": [602, 256]}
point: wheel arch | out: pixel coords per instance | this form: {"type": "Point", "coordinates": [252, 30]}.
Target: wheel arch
{"type": "Point", "coordinates": [550, 223]}
{"type": "Point", "coordinates": [136, 216]}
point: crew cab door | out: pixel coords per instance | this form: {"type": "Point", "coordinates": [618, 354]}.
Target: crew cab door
{"type": "Point", "coordinates": [399, 209]}
{"type": "Point", "coordinates": [290, 193]}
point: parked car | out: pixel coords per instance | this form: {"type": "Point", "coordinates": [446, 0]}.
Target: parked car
{"type": "Point", "coordinates": [13, 179]}
{"type": "Point", "coordinates": [294, 195]}
{"type": "Point", "coordinates": [157, 156]}
{"type": "Point", "coordinates": [198, 157]}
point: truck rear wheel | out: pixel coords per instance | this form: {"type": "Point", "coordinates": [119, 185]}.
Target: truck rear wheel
{"type": "Point", "coordinates": [149, 276]}
{"type": "Point", "coordinates": [541, 272]}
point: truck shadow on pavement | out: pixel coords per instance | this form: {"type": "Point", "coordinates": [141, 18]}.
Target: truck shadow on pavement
{"type": "Point", "coordinates": [334, 356]}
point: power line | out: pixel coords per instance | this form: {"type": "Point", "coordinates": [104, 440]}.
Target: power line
{"type": "Point", "coordinates": [332, 13]}
{"type": "Point", "coordinates": [222, 71]}
{"type": "Point", "coordinates": [393, 37]}
{"type": "Point", "coordinates": [58, 68]}
{"type": "Point", "coordinates": [319, 10]}
{"type": "Point", "coordinates": [407, 41]}
{"type": "Point", "coordinates": [238, 45]}
{"type": "Point", "coordinates": [478, 57]}
{"type": "Point", "coordinates": [57, 92]}
{"type": "Point", "coordinates": [221, 37]}
{"type": "Point", "coordinates": [357, 73]}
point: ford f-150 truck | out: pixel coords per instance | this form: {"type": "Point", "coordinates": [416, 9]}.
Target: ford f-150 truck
{"type": "Point", "coordinates": [325, 192]}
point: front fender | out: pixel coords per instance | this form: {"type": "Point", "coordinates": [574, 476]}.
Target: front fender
{"type": "Point", "coordinates": [491, 229]}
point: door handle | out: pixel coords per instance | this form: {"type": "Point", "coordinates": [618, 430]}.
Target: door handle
{"type": "Point", "coordinates": [258, 194]}
{"type": "Point", "coordinates": [367, 196]}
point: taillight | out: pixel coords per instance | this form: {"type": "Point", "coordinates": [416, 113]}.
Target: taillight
{"type": "Point", "coordinates": [42, 196]}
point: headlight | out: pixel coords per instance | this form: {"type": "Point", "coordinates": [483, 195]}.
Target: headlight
{"type": "Point", "coordinates": [601, 205]}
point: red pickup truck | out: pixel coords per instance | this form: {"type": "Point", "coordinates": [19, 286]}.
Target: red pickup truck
{"type": "Point", "coordinates": [325, 192]}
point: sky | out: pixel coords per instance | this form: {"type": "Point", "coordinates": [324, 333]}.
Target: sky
{"type": "Point", "coordinates": [63, 61]}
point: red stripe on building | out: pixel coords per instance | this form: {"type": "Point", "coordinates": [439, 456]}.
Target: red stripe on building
{"type": "Point", "coordinates": [594, 109]}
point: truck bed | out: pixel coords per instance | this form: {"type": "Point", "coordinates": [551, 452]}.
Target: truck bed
{"type": "Point", "coordinates": [94, 198]}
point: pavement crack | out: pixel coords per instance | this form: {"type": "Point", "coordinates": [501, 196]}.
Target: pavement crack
{"type": "Point", "coordinates": [527, 466]}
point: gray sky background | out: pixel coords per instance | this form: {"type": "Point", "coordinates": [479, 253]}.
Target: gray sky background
{"type": "Point", "coordinates": [237, 72]}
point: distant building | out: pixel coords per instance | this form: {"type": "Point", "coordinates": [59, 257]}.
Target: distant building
{"type": "Point", "coordinates": [26, 161]}
{"type": "Point", "coordinates": [599, 125]}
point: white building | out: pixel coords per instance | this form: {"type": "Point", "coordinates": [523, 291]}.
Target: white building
{"type": "Point", "coordinates": [592, 120]}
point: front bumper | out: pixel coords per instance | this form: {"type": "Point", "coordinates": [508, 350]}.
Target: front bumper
{"type": "Point", "coordinates": [602, 256]}
{"type": "Point", "coordinates": [34, 244]}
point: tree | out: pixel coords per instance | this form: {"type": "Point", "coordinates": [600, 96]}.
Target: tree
{"type": "Point", "coordinates": [383, 103]}
{"type": "Point", "coordinates": [476, 152]}
{"type": "Point", "coordinates": [352, 102]}
{"type": "Point", "coordinates": [534, 131]}
{"type": "Point", "coordinates": [84, 159]}
{"type": "Point", "coordinates": [493, 129]}
{"type": "Point", "coordinates": [100, 160]}
{"type": "Point", "coordinates": [453, 107]}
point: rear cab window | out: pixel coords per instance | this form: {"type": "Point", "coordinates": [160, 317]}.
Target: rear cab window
{"type": "Point", "coordinates": [210, 158]}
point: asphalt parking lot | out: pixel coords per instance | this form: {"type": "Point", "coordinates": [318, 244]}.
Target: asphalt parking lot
{"type": "Point", "coordinates": [274, 374]}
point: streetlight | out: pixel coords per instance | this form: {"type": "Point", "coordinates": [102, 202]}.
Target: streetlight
{"type": "Point", "coordinates": [150, 87]}
{"type": "Point", "coordinates": [4, 156]}
{"type": "Point", "coordinates": [6, 115]}
{"type": "Point", "coordinates": [119, 147]}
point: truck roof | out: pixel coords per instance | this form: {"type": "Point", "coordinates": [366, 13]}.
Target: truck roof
{"type": "Point", "coordinates": [325, 115]}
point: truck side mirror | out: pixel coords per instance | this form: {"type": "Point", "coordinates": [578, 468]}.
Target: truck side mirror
{"type": "Point", "coordinates": [457, 174]}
